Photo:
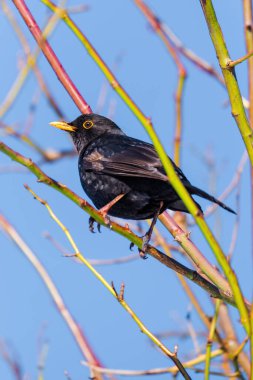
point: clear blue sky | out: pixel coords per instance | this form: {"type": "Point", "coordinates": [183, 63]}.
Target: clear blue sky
{"type": "Point", "coordinates": [147, 72]}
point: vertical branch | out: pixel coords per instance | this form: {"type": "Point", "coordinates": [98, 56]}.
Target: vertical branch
{"type": "Point", "coordinates": [248, 30]}
{"type": "Point", "coordinates": [231, 342]}
{"type": "Point", "coordinates": [178, 130]}
{"type": "Point", "coordinates": [210, 339]}
{"type": "Point", "coordinates": [224, 59]}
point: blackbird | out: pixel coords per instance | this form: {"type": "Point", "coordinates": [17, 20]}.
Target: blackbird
{"type": "Point", "coordinates": [123, 176]}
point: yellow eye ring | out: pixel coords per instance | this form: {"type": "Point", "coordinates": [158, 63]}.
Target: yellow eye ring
{"type": "Point", "coordinates": [88, 124]}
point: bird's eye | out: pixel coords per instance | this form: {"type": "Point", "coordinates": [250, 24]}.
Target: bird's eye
{"type": "Point", "coordinates": [88, 124]}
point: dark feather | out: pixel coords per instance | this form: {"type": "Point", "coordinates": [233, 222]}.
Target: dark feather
{"type": "Point", "coordinates": [203, 194]}
{"type": "Point", "coordinates": [125, 156]}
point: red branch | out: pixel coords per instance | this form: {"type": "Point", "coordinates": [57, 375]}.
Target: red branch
{"type": "Point", "coordinates": [51, 57]}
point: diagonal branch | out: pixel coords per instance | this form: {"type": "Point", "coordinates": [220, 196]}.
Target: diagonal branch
{"type": "Point", "coordinates": [170, 171]}
{"type": "Point", "coordinates": [119, 297]}
{"type": "Point", "coordinates": [155, 371]}
{"type": "Point", "coordinates": [51, 57]}
{"type": "Point", "coordinates": [168, 167]}
{"type": "Point", "coordinates": [30, 64]}
{"type": "Point", "coordinates": [124, 231]}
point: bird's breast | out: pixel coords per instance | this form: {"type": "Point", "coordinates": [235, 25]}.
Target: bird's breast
{"type": "Point", "coordinates": [101, 188]}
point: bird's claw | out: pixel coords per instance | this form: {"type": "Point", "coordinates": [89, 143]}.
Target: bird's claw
{"type": "Point", "coordinates": [141, 250]}
{"type": "Point", "coordinates": [144, 247]}
{"type": "Point", "coordinates": [91, 225]}
{"type": "Point", "coordinates": [131, 246]}
{"type": "Point", "coordinates": [142, 254]}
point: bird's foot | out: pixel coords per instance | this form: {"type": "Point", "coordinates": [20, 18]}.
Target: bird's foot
{"type": "Point", "coordinates": [142, 250]}
{"type": "Point", "coordinates": [104, 215]}
{"type": "Point", "coordinates": [145, 242]}
{"type": "Point", "coordinates": [131, 246]}
{"type": "Point", "coordinates": [92, 221]}
{"type": "Point", "coordinates": [105, 209]}
{"type": "Point", "coordinates": [144, 247]}
{"type": "Point", "coordinates": [146, 238]}
{"type": "Point", "coordinates": [142, 254]}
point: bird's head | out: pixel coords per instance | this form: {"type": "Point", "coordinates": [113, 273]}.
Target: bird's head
{"type": "Point", "coordinates": [86, 128]}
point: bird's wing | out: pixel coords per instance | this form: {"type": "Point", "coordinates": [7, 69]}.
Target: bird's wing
{"type": "Point", "coordinates": [125, 156]}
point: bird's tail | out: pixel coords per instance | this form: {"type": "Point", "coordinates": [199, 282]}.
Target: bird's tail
{"type": "Point", "coordinates": [203, 194]}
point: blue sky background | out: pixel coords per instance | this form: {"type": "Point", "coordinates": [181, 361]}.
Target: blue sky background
{"type": "Point", "coordinates": [147, 72]}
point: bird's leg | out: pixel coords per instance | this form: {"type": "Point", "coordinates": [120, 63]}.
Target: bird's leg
{"type": "Point", "coordinates": [103, 212]}
{"type": "Point", "coordinates": [146, 238]}
{"type": "Point", "coordinates": [91, 225]}
{"type": "Point", "coordinates": [105, 209]}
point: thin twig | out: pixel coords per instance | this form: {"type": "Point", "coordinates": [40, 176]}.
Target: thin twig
{"type": "Point", "coordinates": [41, 361]}
{"type": "Point", "coordinates": [210, 339]}
{"type": "Point", "coordinates": [240, 60]}
{"type": "Point", "coordinates": [48, 155]}
{"type": "Point", "coordinates": [95, 262]}
{"type": "Point", "coordinates": [120, 298]}
{"type": "Point", "coordinates": [12, 363]}
{"type": "Point", "coordinates": [156, 371]}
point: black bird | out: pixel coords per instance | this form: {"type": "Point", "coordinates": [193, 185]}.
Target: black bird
{"type": "Point", "coordinates": [123, 176]}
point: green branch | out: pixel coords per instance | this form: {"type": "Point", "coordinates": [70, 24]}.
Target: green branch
{"type": "Point", "coordinates": [124, 231]}
{"type": "Point", "coordinates": [224, 59]}
{"type": "Point", "coordinates": [172, 175]}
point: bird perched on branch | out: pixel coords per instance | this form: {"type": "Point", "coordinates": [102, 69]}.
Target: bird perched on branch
{"type": "Point", "coordinates": [123, 176]}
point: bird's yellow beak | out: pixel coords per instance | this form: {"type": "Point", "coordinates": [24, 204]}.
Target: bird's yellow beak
{"type": "Point", "coordinates": [63, 125]}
